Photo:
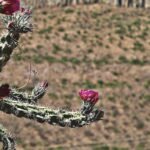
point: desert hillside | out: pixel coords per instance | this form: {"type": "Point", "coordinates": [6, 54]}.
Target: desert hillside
{"type": "Point", "coordinates": [86, 47]}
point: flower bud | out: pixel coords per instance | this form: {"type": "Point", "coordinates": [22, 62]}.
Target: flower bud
{"type": "Point", "coordinates": [39, 90]}
{"type": "Point", "coordinates": [11, 25]}
{"type": "Point", "coordinates": [44, 84]}
{"type": "Point", "coordinates": [4, 90]}
{"type": "Point", "coordinates": [26, 11]}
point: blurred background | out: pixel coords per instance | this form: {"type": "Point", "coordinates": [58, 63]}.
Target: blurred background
{"type": "Point", "coordinates": [97, 46]}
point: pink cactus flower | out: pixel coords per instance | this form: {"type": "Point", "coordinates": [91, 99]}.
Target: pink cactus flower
{"type": "Point", "coordinates": [8, 7]}
{"type": "Point", "coordinates": [89, 96]}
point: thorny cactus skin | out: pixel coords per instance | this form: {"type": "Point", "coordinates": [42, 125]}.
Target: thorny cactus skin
{"type": "Point", "coordinates": [59, 117]}
{"type": "Point", "coordinates": [36, 94]}
{"type": "Point", "coordinates": [23, 104]}
{"type": "Point", "coordinates": [16, 24]}
{"type": "Point", "coordinates": [8, 142]}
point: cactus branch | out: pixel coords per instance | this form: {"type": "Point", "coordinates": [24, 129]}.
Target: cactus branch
{"type": "Point", "coordinates": [8, 42]}
{"type": "Point", "coordinates": [23, 104]}
{"type": "Point", "coordinates": [37, 93]}
{"type": "Point", "coordinates": [7, 140]}
{"type": "Point", "coordinates": [59, 117]}
{"type": "Point", "coordinates": [16, 24]}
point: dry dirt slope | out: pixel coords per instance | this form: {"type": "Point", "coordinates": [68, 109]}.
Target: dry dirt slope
{"type": "Point", "coordinates": [96, 47]}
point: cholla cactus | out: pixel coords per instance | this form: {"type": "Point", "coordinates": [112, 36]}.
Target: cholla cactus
{"type": "Point", "coordinates": [23, 104]}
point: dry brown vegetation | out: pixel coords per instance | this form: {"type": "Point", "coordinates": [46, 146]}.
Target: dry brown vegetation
{"type": "Point", "coordinates": [96, 47]}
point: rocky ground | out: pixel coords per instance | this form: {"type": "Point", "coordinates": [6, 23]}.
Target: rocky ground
{"type": "Point", "coordinates": [93, 47]}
